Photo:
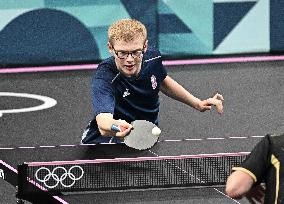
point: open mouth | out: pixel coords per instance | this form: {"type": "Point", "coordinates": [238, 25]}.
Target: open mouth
{"type": "Point", "coordinates": [129, 67]}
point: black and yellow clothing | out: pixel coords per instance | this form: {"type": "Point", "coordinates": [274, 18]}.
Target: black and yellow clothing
{"type": "Point", "coordinates": [264, 164]}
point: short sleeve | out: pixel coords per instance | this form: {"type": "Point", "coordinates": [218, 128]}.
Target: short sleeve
{"type": "Point", "coordinates": [102, 96]}
{"type": "Point", "coordinates": [257, 163]}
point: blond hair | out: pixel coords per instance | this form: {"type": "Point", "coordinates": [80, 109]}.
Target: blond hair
{"type": "Point", "coordinates": [126, 30]}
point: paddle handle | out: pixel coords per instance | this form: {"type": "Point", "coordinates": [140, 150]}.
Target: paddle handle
{"type": "Point", "coordinates": [117, 128]}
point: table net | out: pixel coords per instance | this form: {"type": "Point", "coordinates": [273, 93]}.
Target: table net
{"type": "Point", "coordinates": [126, 173]}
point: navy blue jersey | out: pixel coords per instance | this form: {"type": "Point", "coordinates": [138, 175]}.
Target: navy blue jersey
{"type": "Point", "coordinates": [128, 98]}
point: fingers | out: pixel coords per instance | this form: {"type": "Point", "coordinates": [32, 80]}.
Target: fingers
{"type": "Point", "coordinates": [215, 102]}
{"type": "Point", "coordinates": [251, 201]}
{"type": "Point", "coordinates": [125, 128]}
{"type": "Point", "coordinates": [256, 194]}
{"type": "Point", "coordinates": [218, 96]}
{"type": "Point", "coordinates": [219, 108]}
{"type": "Point", "coordinates": [205, 108]}
{"type": "Point", "coordinates": [123, 133]}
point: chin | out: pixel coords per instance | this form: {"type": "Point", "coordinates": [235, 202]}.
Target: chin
{"type": "Point", "coordinates": [130, 73]}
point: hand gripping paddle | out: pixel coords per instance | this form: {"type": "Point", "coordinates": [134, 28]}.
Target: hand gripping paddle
{"type": "Point", "coordinates": [143, 135]}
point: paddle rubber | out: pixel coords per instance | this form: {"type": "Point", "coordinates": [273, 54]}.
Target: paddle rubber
{"type": "Point", "coordinates": [140, 137]}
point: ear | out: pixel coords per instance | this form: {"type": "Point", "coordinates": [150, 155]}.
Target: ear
{"type": "Point", "coordinates": [110, 49]}
{"type": "Point", "coordinates": [146, 46]}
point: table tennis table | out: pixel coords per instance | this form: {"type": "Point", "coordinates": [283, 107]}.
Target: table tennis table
{"type": "Point", "coordinates": [11, 157]}
{"type": "Point", "coordinates": [236, 131]}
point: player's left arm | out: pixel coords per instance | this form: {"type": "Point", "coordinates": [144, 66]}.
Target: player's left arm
{"type": "Point", "coordinates": [174, 90]}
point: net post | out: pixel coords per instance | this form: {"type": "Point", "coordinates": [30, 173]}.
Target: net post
{"type": "Point", "coordinates": [22, 183]}
{"type": "Point", "coordinates": [26, 191]}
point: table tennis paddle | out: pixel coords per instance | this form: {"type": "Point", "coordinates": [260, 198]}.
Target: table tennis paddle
{"type": "Point", "coordinates": [143, 135]}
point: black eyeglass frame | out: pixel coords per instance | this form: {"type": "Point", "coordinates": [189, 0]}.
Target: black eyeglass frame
{"type": "Point", "coordinates": [126, 54]}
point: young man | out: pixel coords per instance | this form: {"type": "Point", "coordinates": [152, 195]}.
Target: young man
{"type": "Point", "coordinates": [264, 164]}
{"type": "Point", "coordinates": [125, 86]}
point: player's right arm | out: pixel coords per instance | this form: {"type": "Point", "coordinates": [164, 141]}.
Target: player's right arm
{"type": "Point", "coordinates": [241, 183]}
{"type": "Point", "coordinates": [250, 173]}
{"type": "Point", "coordinates": [106, 120]}
{"type": "Point", "coordinates": [238, 184]}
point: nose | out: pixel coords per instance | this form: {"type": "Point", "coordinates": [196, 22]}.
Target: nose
{"type": "Point", "coordinates": [129, 57]}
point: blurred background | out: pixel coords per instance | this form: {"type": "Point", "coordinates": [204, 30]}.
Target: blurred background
{"type": "Point", "coordinates": [43, 32]}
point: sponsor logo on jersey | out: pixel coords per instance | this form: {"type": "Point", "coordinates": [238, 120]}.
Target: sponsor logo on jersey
{"type": "Point", "coordinates": [126, 93]}
{"type": "Point", "coordinates": [154, 82]}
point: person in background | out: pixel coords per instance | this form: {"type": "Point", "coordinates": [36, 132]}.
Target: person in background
{"type": "Point", "coordinates": [125, 86]}
{"type": "Point", "coordinates": [264, 164]}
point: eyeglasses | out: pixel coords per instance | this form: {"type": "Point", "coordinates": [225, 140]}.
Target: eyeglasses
{"type": "Point", "coordinates": [125, 54]}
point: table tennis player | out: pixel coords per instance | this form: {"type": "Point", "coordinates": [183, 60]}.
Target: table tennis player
{"type": "Point", "coordinates": [125, 86]}
{"type": "Point", "coordinates": [264, 164]}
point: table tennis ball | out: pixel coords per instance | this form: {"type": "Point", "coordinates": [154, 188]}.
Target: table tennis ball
{"type": "Point", "coordinates": [156, 131]}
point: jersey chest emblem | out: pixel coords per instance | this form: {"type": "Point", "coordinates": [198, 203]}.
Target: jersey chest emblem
{"type": "Point", "coordinates": [126, 93]}
{"type": "Point", "coordinates": [154, 82]}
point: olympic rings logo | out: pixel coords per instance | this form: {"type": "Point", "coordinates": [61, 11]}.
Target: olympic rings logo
{"type": "Point", "coordinates": [59, 175]}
